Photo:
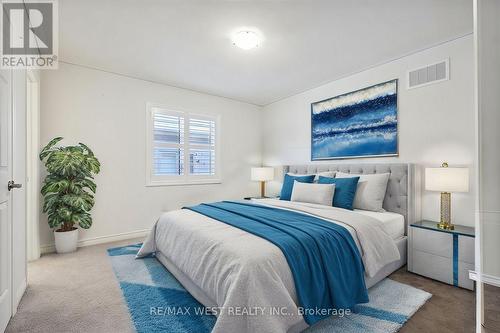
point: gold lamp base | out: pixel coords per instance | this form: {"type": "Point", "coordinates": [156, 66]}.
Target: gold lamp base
{"type": "Point", "coordinates": [262, 189]}
{"type": "Point", "coordinates": [445, 220]}
{"type": "Point", "coordinates": [446, 226]}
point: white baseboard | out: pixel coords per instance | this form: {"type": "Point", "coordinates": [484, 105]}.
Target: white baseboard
{"type": "Point", "coordinates": [485, 278]}
{"type": "Point", "coordinates": [18, 295]}
{"type": "Point", "coordinates": [51, 248]}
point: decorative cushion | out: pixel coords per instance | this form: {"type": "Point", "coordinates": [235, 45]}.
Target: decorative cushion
{"type": "Point", "coordinates": [371, 190]}
{"type": "Point", "coordinates": [286, 190]}
{"type": "Point", "coordinates": [321, 194]}
{"type": "Point", "coordinates": [345, 190]}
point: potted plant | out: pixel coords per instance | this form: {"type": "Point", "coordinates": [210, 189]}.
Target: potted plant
{"type": "Point", "coordinates": [68, 190]}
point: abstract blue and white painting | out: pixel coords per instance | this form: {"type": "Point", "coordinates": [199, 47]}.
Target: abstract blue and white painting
{"type": "Point", "coordinates": [362, 123]}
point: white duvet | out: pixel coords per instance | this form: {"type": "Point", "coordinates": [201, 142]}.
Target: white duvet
{"type": "Point", "coordinates": [243, 273]}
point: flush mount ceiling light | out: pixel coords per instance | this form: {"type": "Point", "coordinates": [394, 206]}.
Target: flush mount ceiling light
{"type": "Point", "coordinates": [246, 39]}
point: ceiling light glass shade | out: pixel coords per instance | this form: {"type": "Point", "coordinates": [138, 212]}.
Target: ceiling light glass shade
{"type": "Point", "coordinates": [246, 40]}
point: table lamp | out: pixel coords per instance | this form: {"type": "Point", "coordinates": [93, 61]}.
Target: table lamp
{"type": "Point", "coordinates": [446, 180]}
{"type": "Point", "coordinates": [262, 175]}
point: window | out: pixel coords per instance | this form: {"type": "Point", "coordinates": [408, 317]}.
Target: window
{"type": "Point", "coordinates": [182, 147]}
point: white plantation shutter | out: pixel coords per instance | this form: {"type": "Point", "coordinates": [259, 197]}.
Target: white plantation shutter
{"type": "Point", "coordinates": [168, 161]}
{"type": "Point", "coordinates": [168, 150]}
{"type": "Point", "coordinates": [201, 146]}
{"type": "Point", "coordinates": [182, 147]}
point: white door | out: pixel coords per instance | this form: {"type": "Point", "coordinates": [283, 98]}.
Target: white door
{"type": "Point", "coordinates": [5, 198]}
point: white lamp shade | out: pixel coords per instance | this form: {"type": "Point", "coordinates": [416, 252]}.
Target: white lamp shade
{"type": "Point", "coordinates": [447, 179]}
{"type": "Point", "coordinates": [263, 174]}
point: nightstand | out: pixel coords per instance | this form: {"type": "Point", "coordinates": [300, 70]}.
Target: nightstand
{"type": "Point", "coordinates": [443, 255]}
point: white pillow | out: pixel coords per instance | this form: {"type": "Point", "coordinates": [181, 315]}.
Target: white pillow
{"type": "Point", "coordinates": [330, 174]}
{"type": "Point", "coordinates": [371, 190]}
{"type": "Point", "coordinates": [313, 193]}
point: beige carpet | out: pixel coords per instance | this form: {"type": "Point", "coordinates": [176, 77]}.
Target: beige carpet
{"type": "Point", "coordinates": [74, 292]}
{"type": "Point", "coordinates": [78, 292]}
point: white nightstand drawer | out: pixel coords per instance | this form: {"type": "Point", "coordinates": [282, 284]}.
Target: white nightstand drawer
{"type": "Point", "coordinates": [433, 266]}
{"type": "Point", "coordinates": [466, 249]}
{"type": "Point", "coordinates": [437, 243]}
{"type": "Point", "coordinates": [463, 275]}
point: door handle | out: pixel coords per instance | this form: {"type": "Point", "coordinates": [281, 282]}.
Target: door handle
{"type": "Point", "coordinates": [11, 185]}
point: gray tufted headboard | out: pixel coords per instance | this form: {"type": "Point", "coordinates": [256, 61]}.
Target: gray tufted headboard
{"type": "Point", "coordinates": [402, 189]}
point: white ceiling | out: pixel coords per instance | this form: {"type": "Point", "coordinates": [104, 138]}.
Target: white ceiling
{"type": "Point", "coordinates": [307, 43]}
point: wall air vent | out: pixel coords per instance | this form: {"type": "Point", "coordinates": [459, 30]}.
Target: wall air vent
{"type": "Point", "coordinates": [430, 74]}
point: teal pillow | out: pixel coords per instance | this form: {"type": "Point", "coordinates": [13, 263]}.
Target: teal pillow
{"type": "Point", "coordinates": [345, 189]}
{"type": "Point", "coordinates": [286, 190]}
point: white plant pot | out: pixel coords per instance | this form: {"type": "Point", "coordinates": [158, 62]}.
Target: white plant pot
{"type": "Point", "coordinates": [66, 241]}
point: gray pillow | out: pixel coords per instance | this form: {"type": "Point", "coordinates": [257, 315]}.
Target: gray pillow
{"type": "Point", "coordinates": [371, 190]}
{"type": "Point", "coordinates": [321, 194]}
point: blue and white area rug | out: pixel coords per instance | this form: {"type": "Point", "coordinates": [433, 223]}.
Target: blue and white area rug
{"type": "Point", "coordinates": [157, 301]}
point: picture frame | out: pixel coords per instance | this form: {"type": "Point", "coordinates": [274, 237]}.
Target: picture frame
{"type": "Point", "coordinates": [358, 124]}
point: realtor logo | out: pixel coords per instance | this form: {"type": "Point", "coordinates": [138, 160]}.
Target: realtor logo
{"type": "Point", "coordinates": [29, 34]}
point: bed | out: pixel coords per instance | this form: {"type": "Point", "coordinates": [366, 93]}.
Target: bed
{"type": "Point", "coordinates": [225, 267]}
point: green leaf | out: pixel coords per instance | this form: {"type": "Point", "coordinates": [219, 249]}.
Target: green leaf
{"type": "Point", "coordinates": [55, 221]}
{"type": "Point", "coordinates": [84, 220]}
{"type": "Point", "coordinates": [85, 147]}
{"type": "Point", "coordinates": [51, 202]}
{"type": "Point", "coordinates": [56, 185]}
{"type": "Point", "coordinates": [64, 213]}
{"type": "Point", "coordinates": [93, 164]}
{"type": "Point", "coordinates": [83, 183]}
{"type": "Point", "coordinates": [82, 202]}
{"type": "Point", "coordinates": [46, 150]}
{"type": "Point", "coordinates": [66, 163]}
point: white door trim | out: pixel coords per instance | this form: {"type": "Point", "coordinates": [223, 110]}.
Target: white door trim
{"type": "Point", "coordinates": [477, 175]}
{"type": "Point", "coordinates": [33, 164]}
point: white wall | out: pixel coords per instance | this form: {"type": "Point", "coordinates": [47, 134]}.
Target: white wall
{"type": "Point", "coordinates": [108, 113]}
{"type": "Point", "coordinates": [436, 122]}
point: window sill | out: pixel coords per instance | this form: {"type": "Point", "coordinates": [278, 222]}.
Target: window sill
{"type": "Point", "coordinates": [183, 182]}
